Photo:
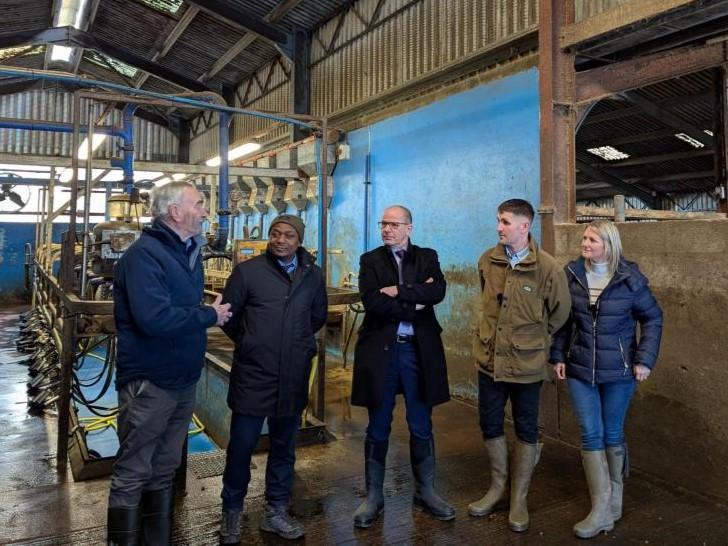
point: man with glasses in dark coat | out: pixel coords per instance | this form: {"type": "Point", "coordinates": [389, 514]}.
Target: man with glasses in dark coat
{"type": "Point", "coordinates": [399, 350]}
{"type": "Point", "coordinates": [278, 301]}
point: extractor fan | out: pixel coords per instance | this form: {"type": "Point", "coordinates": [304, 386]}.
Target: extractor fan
{"type": "Point", "coordinates": [7, 191]}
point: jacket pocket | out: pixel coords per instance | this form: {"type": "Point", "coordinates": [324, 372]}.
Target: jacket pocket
{"type": "Point", "coordinates": [624, 357]}
{"type": "Point", "coordinates": [529, 355]}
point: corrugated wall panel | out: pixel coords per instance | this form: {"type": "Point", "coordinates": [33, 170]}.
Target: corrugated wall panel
{"type": "Point", "coordinates": [152, 142]}
{"type": "Point", "coordinates": [415, 38]}
{"type": "Point", "coordinates": [589, 8]}
{"type": "Point", "coordinates": [685, 202]}
{"type": "Point", "coordinates": [204, 146]}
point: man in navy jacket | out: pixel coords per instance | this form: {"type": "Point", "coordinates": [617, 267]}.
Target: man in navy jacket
{"type": "Point", "coordinates": [161, 324]}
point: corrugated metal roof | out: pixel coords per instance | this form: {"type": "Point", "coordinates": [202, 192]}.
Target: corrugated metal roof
{"type": "Point", "coordinates": [20, 15]}
{"type": "Point", "coordinates": [141, 27]}
{"type": "Point", "coordinates": [690, 100]}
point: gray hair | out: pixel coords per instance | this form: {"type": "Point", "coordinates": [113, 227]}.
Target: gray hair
{"type": "Point", "coordinates": [169, 194]}
{"type": "Point", "coordinates": [609, 235]}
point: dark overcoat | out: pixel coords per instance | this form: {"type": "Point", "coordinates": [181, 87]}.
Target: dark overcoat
{"type": "Point", "coordinates": [273, 324]}
{"type": "Point", "coordinates": [378, 269]}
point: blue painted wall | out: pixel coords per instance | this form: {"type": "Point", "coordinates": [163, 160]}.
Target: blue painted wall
{"type": "Point", "coordinates": [13, 238]}
{"type": "Point", "coordinates": [451, 162]}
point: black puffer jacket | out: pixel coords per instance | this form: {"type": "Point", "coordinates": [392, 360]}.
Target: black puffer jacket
{"type": "Point", "coordinates": [273, 325]}
{"type": "Point", "coordinates": [602, 347]}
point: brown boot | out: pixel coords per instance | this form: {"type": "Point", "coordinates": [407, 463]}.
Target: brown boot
{"type": "Point", "coordinates": [525, 458]}
{"type": "Point", "coordinates": [597, 476]}
{"type": "Point", "coordinates": [498, 456]}
{"type": "Point", "coordinates": [617, 459]}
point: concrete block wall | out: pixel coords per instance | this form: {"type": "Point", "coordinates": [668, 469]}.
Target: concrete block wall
{"type": "Point", "coordinates": [677, 427]}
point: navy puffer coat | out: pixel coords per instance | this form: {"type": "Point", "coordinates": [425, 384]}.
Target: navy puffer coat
{"type": "Point", "coordinates": [602, 347]}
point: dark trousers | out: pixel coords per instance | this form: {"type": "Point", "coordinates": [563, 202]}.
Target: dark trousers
{"type": "Point", "coordinates": [152, 426]}
{"type": "Point", "coordinates": [244, 434]}
{"type": "Point", "coordinates": [403, 375]}
{"type": "Point", "coordinates": [492, 398]}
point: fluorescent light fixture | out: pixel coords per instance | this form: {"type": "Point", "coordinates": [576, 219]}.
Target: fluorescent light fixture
{"type": "Point", "coordinates": [235, 153]}
{"type": "Point", "coordinates": [608, 152]}
{"type": "Point", "coordinates": [83, 149]}
{"type": "Point", "coordinates": [179, 176]}
{"type": "Point", "coordinates": [61, 53]}
{"type": "Point", "coordinates": [708, 132]}
{"type": "Point", "coordinates": [690, 140]}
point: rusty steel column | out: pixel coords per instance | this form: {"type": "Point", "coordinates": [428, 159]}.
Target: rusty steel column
{"type": "Point", "coordinates": [720, 151]}
{"type": "Point", "coordinates": [557, 121]}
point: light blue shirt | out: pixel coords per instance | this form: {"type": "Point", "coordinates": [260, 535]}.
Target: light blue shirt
{"type": "Point", "coordinates": [405, 328]}
{"type": "Point", "coordinates": [514, 258]}
{"type": "Point", "coordinates": [290, 266]}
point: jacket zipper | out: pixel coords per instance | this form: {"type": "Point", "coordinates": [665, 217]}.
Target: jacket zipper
{"type": "Point", "coordinates": [594, 342]}
{"type": "Point", "coordinates": [594, 325]}
{"type": "Point", "coordinates": [624, 360]}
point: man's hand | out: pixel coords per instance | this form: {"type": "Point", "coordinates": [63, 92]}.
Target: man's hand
{"type": "Point", "coordinates": [560, 370]}
{"type": "Point", "coordinates": [222, 310]}
{"type": "Point", "coordinates": [390, 291]}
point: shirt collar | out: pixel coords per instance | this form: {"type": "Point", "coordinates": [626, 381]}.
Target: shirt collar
{"type": "Point", "coordinates": [286, 265]}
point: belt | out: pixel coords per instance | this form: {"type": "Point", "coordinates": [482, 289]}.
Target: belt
{"type": "Point", "coordinates": [403, 338]}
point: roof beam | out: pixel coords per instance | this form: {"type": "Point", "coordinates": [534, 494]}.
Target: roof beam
{"type": "Point", "coordinates": [601, 175]}
{"type": "Point", "coordinates": [618, 19]}
{"type": "Point", "coordinates": [668, 118]}
{"type": "Point", "coordinates": [185, 168]}
{"type": "Point", "coordinates": [170, 40]}
{"type": "Point", "coordinates": [659, 158]}
{"type": "Point", "coordinates": [223, 11]}
{"type": "Point", "coordinates": [276, 14]}
{"type": "Point", "coordinates": [605, 81]}
{"type": "Point", "coordinates": [626, 139]}
{"type": "Point", "coordinates": [72, 37]}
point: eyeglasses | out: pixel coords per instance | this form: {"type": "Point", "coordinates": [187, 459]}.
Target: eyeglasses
{"type": "Point", "coordinates": [393, 225]}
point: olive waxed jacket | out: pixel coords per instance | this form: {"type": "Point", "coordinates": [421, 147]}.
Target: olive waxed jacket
{"type": "Point", "coordinates": [520, 308]}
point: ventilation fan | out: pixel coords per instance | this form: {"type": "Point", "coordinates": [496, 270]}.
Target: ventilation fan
{"type": "Point", "coordinates": [8, 193]}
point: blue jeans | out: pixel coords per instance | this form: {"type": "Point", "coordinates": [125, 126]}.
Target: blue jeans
{"type": "Point", "coordinates": [244, 434]}
{"type": "Point", "coordinates": [601, 410]}
{"type": "Point", "coordinates": [492, 398]}
{"type": "Point", "coordinates": [403, 375]}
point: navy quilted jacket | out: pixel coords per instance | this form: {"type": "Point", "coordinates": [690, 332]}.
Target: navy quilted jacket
{"type": "Point", "coordinates": [602, 346]}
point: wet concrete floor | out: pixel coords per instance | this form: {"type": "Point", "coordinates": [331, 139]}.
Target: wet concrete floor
{"type": "Point", "coordinates": [40, 506]}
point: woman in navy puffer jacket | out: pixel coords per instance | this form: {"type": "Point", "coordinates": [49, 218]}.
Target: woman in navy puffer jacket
{"type": "Point", "coordinates": [599, 354]}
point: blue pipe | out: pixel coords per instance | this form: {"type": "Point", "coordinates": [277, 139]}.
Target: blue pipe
{"type": "Point", "coordinates": [54, 126]}
{"type": "Point", "coordinates": [127, 135]}
{"type": "Point", "coordinates": [59, 77]}
{"type": "Point", "coordinates": [223, 213]}
{"type": "Point", "coordinates": [321, 195]}
{"type": "Point", "coordinates": [367, 185]}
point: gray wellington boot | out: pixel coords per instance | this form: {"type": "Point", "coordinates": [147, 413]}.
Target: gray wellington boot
{"type": "Point", "coordinates": [498, 455]}
{"type": "Point", "coordinates": [618, 461]}
{"type": "Point", "coordinates": [597, 476]}
{"type": "Point", "coordinates": [525, 458]}
{"type": "Point", "coordinates": [375, 456]}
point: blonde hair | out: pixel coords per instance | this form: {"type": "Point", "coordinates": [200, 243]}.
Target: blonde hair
{"type": "Point", "coordinates": [609, 235]}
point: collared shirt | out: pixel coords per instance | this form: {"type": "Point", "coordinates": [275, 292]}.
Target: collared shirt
{"type": "Point", "coordinates": [290, 266]}
{"type": "Point", "coordinates": [405, 328]}
{"type": "Point", "coordinates": [514, 258]}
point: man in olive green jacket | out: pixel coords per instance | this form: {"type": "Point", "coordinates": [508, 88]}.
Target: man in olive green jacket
{"type": "Point", "coordinates": [525, 298]}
